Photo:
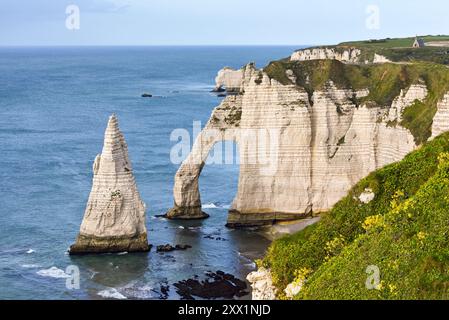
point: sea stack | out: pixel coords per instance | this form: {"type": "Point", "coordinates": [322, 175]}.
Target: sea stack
{"type": "Point", "coordinates": [114, 220]}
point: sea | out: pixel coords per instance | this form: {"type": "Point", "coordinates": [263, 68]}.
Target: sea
{"type": "Point", "coordinates": [54, 107]}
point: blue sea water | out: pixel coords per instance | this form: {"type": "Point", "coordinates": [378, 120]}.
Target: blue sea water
{"type": "Point", "coordinates": [54, 106]}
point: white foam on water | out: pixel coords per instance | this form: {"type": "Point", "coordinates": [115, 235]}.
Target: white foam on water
{"type": "Point", "coordinates": [53, 272]}
{"type": "Point", "coordinates": [30, 266]}
{"type": "Point", "coordinates": [181, 227]}
{"type": "Point", "coordinates": [111, 293]}
{"type": "Point", "coordinates": [215, 205]}
{"type": "Point", "coordinates": [251, 265]}
{"type": "Point", "coordinates": [210, 205]}
{"type": "Point", "coordinates": [30, 251]}
{"type": "Point", "coordinates": [144, 292]}
{"type": "Point", "coordinates": [122, 253]}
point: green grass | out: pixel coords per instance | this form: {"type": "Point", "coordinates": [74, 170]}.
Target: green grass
{"type": "Point", "coordinates": [409, 245]}
{"type": "Point", "coordinates": [400, 49]}
{"type": "Point", "coordinates": [395, 184]}
{"type": "Point", "coordinates": [392, 42]}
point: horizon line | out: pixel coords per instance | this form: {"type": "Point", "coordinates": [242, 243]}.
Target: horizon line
{"type": "Point", "coordinates": [150, 45]}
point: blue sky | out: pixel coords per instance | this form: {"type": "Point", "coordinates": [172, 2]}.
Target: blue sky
{"type": "Point", "coordinates": [212, 22]}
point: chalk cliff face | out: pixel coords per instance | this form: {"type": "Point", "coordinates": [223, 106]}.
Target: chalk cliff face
{"type": "Point", "coordinates": [300, 152]}
{"type": "Point", "coordinates": [441, 120]}
{"type": "Point", "coordinates": [114, 219]}
{"type": "Point", "coordinates": [344, 55]}
{"type": "Point", "coordinates": [262, 285]}
{"type": "Point", "coordinates": [229, 80]}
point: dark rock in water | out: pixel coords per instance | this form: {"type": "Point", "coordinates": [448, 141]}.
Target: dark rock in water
{"type": "Point", "coordinates": [217, 285]}
{"type": "Point", "coordinates": [147, 95]}
{"type": "Point", "coordinates": [214, 238]}
{"type": "Point", "coordinates": [165, 248]}
{"type": "Point", "coordinates": [219, 89]}
{"type": "Point", "coordinates": [182, 247]}
{"type": "Point", "coordinates": [164, 291]}
{"type": "Point", "coordinates": [168, 247]}
{"type": "Point", "coordinates": [221, 95]}
{"type": "Point", "coordinates": [169, 258]}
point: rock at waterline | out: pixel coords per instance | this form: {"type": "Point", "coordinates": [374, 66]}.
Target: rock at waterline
{"type": "Point", "coordinates": [217, 285]}
{"type": "Point", "coordinates": [114, 220]}
{"type": "Point", "coordinates": [168, 247]}
{"type": "Point", "coordinates": [147, 95]}
{"type": "Point", "coordinates": [218, 89]}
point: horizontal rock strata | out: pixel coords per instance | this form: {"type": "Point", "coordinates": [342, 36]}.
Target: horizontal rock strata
{"type": "Point", "coordinates": [441, 120]}
{"type": "Point", "coordinates": [344, 55]}
{"type": "Point", "coordinates": [229, 80]}
{"type": "Point", "coordinates": [300, 151]}
{"type": "Point", "coordinates": [114, 220]}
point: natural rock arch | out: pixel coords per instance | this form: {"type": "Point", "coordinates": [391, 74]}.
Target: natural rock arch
{"type": "Point", "coordinates": [220, 127]}
{"type": "Point", "coordinates": [326, 144]}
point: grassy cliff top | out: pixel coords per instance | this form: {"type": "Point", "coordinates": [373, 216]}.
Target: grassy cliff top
{"type": "Point", "coordinates": [401, 50]}
{"type": "Point", "coordinates": [384, 82]}
{"type": "Point", "coordinates": [392, 42]}
{"type": "Point", "coordinates": [402, 231]}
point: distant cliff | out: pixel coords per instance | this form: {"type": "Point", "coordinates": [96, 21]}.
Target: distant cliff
{"type": "Point", "coordinates": [331, 121]}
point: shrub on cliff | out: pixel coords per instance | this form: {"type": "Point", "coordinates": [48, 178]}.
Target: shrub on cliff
{"type": "Point", "coordinates": [403, 231]}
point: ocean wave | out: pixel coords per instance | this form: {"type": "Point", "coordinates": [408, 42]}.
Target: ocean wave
{"type": "Point", "coordinates": [144, 292]}
{"type": "Point", "coordinates": [53, 272]}
{"type": "Point", "coordinates": [111, 293]}
{"type": "Point", "coordinates": [210, 205]}
{"type": "Point", "coordinates": [30, 266]}
{"type": "Point", "coordinates": [30, 251]}
{"type": "Point", "coordinates": [215, 205]}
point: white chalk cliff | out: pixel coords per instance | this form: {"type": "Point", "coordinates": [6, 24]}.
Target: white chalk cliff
{"type": "Point", "coordinates": [262, 285]}
{"type": "Point", "coordinates": [441, 120]}
{"type": "Point", "coordinates": [228, 79]}
{"type": "Point", "coordinates": [300, 153]}
{"type": "Point", "coordinates": [114, 220]}
{"type": "Point", "coordinates": [350, 55]}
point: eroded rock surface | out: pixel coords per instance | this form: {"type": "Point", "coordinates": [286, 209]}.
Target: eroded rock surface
{"type": "Point", "coordinates": [344, 55]}
{"type": "Point", "coordinates": [441, 120]}
{"type": "Point", "coordinates": [315, 147]}
{"type": "Point", "coordinates": [262, 285]}
{"type": "Point", "coordinates": [114, 220]}
{"type": "Point", "coordinates": [229, 80]}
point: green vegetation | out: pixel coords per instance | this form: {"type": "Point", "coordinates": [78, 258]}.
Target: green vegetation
{"type": "Point", "coordinates": [392, 42]}
{"type": "Point", "coordinates": [400, 49]}
{"type": "Point", "coordinates": [403, 231]}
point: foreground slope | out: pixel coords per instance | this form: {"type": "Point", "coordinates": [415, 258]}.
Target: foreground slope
{"type": "Point", "coordinates": [403, 231]}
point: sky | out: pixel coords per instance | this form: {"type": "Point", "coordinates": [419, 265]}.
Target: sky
{"type": "Point", "coordinates": [213, 22]}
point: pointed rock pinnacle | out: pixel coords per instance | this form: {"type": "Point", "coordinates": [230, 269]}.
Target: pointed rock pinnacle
{"type": "Point", "coordinates": [114, 220]}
